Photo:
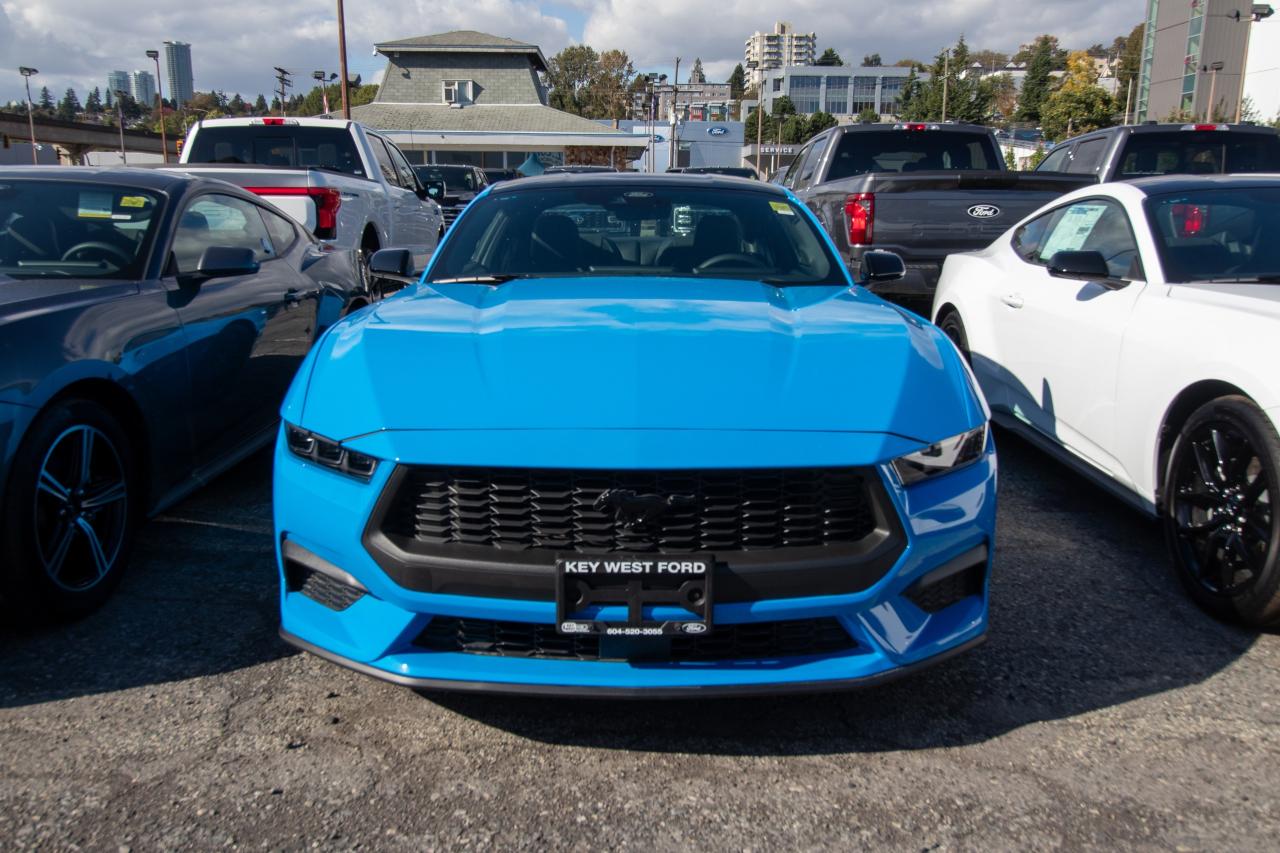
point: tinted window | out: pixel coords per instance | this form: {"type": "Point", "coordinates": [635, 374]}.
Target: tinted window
{"type": "Point", "coordinates": [809, 166]}
{"type": "Point", "coordinates": [282, 230]}
{"type": "Point", "coordinates": [1094, 225]}
{"type": "Point", "coordinates": [1056, 161]}
{"type": "Point", "coordinates": [86, 230]}
{"type": "Point", "coordinates": [1218, 233]}
{"type": "Point", "coordinates": [456, 178]}
{"type": "Point", "coordinates": [1207, 152]}
{"type": "Point", "coordinates": [219, 220]}
{"type": "Point", "coordinates": [860, 152]}
{"type": "Point", "coordinates": [792, 178]}
{"type": "Point", "coordinates": [278, 145]}
{"type": "Point", "coordinates": [384, 161]}
{"type": "Point", "coordinates": [631, 228]}
{"type": "Point", "coordinates": [1027, 239]}
{"type": "Point", "coordinates": [403, 170]}
{"type": "Point", "coordinates": [1088, 156]}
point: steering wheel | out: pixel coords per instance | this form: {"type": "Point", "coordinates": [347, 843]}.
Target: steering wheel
{"type": "Point", "coordinates": [717, 260]}
{"type": "Point", "coordinates": [98, 246]}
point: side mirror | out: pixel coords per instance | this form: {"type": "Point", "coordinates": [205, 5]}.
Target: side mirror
{"type": "Point", "coordinates": [224, 261]}
{"type": "Point", "coordinates": [878, 266]}
{"type": "Point", "coordinates": [433, 190]}
{"type": "Point", "coordinates": [1083, 266]}
{"type": "Point", "coordinates": [397, 263]}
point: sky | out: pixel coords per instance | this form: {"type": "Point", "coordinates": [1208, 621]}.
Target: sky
{"type": "Point", "coordinates": [236, 43]}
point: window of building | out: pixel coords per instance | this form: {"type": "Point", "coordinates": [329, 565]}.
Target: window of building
{"type": "Point", "coordinates": [837, 95]}
{"type": "Point", "coordinates": [805, 92]}
{"type": "Point", "coordinates": [457, 91]}
{"type": "Point", "coordinates": [777, 84]}
{"type": "Point", "coordinates": [891, 95]}
{"type": "Point", "coordinates": [864, 94]}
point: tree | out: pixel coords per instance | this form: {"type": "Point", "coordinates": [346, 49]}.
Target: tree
{"type": "Point", "coordinates": [819, 122]}
{"type": "Point", "coordinates": [1130, 51]}
{"type": "Point", "coordinates": [236, 105]}
{"type": "Point", "coordinates": [967, 97]}
{"type": "Point", "coordinates": [868, 115]}
{"type": "Point", "coordinates": [109, 101]}
{"type": "Point", "coordinates": [792, 130]}
{"type": "Point", "coordinates": [1079, 105]}
{"type": "Point", "coordinates": [1057, 55]}
{"type": "Point", "coordinates": [990, 60]}
{"type": "Point", "coordinates": [607, 92]}
{"type": "Point", "coordinates": [737, 82]}
{"type": "Point", "coordinates": [260, 106]}
{"type": "Point", "coordinates": [909, 63]}
{"type": "Point", "coordinates": [1035, 86]}
{"type": "Point", "coordinates": [69, 106]}
{"type": "Point", "coordinates": [570, 70]}
{"type": "Point", "coordinates": [46, 100]}
{"type": "Point", "coordinates": [697, 75]}
{"type": "Point", "coordinates": [1004, 94]}
{"type": "Point", "coordinates": [358, 95]}
{"type": "Point", "coordinates": [829, 57]}
{"type": "Point", "coordinates": [93, 102]}
{"type": "Point", "coordinates": [872, 61]}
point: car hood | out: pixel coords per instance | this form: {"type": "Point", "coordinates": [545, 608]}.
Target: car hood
{"type": "Point", "coordinates": [637, 354]}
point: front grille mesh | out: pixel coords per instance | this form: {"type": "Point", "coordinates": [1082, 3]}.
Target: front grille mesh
{"type": "Point", "coordinates": [554, 510]}
{"type": "Point", "coordinates": [325, 590]}
{"type": "Point", "coordinates": [754, 641]}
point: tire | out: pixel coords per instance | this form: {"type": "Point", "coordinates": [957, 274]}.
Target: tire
{"type": "Point", "coordinates": [68, 529]}
{"type": "Point", "coordinates": [953, 327]}
{"type": "Point", "coordinates": [363, 257]}
{"type": "Point", "coordinates": [1223, 534]}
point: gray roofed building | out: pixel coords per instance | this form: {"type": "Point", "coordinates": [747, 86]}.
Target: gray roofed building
{"type": "Point", "coordinates": [471, 97]}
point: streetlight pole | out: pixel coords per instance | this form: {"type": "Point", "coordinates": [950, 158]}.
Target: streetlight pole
{"type": "Point", "coordinates": [675, 118]}
{"type": "Point", "coordinates": [324, 87]}
{"type": "Point", "coordinates": [342, 61]}
{"type": "Point", "coordinates": [753, 65]}
{"type": "Point", "coordinates": [31, 122]}
{"type": "Point", "coordinates": [124, 158]}
{"type": "Point", "coordinates": [946, 78]}
{"type": "Point", "coordinates": [164, 139]}
{"type": "Point", "coordinates": [1213, 70]}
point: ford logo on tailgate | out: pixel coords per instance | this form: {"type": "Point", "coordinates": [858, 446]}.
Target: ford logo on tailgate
{"type": "Point", "coordinates": [984, 211]}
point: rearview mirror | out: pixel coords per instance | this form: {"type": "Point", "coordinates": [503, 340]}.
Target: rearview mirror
{"type": "Point", "coordinates": [224, 261]}
{"type": "Point", "coordinates": [433, 190]}
{"type": "Point", "coordinates": [1083, 266]}
{"type": "Point", "coordinates": [879, 266]}
{"type": "Point", "coordinates": [397, 263]}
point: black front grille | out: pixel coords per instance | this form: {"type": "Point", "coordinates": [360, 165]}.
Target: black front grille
{"type": "Point", "coordinates": [322, 589]}
{"type": "Point", "coordinates": [549, 510]}
{"type": "Point", "coordinates": [755, 641]}
{"type": "Point", "coordinates": [932, 596]}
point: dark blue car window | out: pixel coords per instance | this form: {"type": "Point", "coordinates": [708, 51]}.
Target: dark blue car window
{"type": "Point", "coordinates": [60, 229]}
{"type": "Point", "coordinates": [630, 228]}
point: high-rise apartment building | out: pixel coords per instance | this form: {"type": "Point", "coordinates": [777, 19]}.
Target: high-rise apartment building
{"type": "Point", "coordinates": [1193, 58]}
{"type": "Point", "coordinates": [778, 49]}
{"type": "Point", "coordinates": [118, 81]}
{"type": "Point", "coordinates": [142, 85]}
{"type": "Point", "coordinates": [177, 63]}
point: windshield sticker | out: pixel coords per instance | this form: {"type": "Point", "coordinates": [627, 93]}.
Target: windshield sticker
{"type": "Point", "coordinates": [133, 201]}
{"type": "Point", "coordinates": [1073, 229]}
{"type": "Point", "coordinates": [94, 205]}
{"type": "Point", "coordinates": [782, 207]}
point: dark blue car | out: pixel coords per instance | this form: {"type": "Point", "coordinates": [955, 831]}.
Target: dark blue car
{"type": "Point", "coordinates": [150, 324]}
{"type": "Point", "coordinates": [635, 436]}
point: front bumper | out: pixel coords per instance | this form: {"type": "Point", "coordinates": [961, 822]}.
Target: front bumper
{"type": "Point", "coordinates": [948, 524]}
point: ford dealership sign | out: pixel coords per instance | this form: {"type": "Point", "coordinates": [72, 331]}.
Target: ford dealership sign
{"type": "Point", "coordinates": [717, 130]}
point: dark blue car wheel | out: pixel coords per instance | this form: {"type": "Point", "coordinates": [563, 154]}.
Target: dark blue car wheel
{"type": "Point", "coordinates": [71, 511]}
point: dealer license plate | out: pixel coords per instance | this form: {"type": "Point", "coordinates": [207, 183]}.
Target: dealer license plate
{"type": "Point", "coordinates": [640, 583]}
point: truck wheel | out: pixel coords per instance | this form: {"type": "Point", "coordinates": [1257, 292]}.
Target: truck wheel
{"type": "Point", "coordinates": [1220, 523]}
{"type": "Point", "coordinates": [72, 511]}
{"type": "Point", "coordinates": [363, 257]}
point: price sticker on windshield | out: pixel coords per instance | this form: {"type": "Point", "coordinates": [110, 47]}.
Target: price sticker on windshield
{"type": "Point", "coordinates": [782, 207]}
{"type": "Point", "coordinates": [94, 206]}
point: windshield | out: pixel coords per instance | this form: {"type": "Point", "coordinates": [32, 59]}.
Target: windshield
{"type": "Point", "coordinates": [1218, 234]}
{"type": "Point", "coordinates": [1205, 152]}
{"type": "Point", "coordinates": [455, 178]}
{"type": "Point", "coordinates": [64, 229]}
{"type": "Point", "coordinates": [284, 145]}
{"type": "Point", "coordinates": [630, 228]}
{"type": "Point", "coordinates": [860, 152]}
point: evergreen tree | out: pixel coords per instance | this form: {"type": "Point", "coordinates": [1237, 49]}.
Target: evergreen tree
{"type": "Point", "coordinates": [69, 106]}
{"type": "Point", "coordinates": [819, 122]}
{"type": "Point", "coordinates": [46, 99]}
{"type": "Point", "coordinates": [109, 102]}
{"type": "Point", "coordinates": [697, 75]}
{"type": "Point", "coordinates": [829, 57]}
{"type": "Point", "coordinates": [872, 61]}
{"type": "Point", "coordinates": [93, 103]}
{"type": "Point", "coordinates": [737, 82]}
{"type": "Point", "coordinates": [869, 115]}
{"type": "Point", "coordinates": [260, 106]}
{"type": "Point", "coordinates": [1035, 86]}
{"type": "Point", "coordinates": [237, 106]}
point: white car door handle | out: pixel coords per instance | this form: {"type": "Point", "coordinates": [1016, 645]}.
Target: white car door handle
{"type": "Point", "coordinates": [1013, 300]}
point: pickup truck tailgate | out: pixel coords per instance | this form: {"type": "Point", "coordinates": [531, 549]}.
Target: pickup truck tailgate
{"type": "Point", "coordinates": [284, 188]}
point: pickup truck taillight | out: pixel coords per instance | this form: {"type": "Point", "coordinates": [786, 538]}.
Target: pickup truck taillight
{"type": "Point", "coordinates": [327, 200]}
{"type": "Point", "coordinates": [860, 215]}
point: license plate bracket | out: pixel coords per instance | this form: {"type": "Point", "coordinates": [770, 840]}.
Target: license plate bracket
{"type": "Point", "coordinates": [635, 582]}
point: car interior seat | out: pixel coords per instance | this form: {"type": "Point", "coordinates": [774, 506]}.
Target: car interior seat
{"type": "Point", "coordinates": [555, 245]}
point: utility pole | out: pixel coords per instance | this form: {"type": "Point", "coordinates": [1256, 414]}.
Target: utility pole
{"type": "Point", "coordinates": [283, 81]}
{"type": "Point", "coordinates": [1213, 70]}
{"type": "Point", "coordinates": [1128, 100]}
{"type": "Point", "coordinates": [752, 65]}
{"type": "Point", "coordinates": [342, 61]}
{"type": "Point", "coordinates": [675, 118]}
{"type": "Point", "coordinates": [164, 140]}
{"type": "Point", "coordinates": [946, 78]}
{"type": "Point", "coordinates": [124, 160]}
{"type": "Point", "coordinates": [31, 122]}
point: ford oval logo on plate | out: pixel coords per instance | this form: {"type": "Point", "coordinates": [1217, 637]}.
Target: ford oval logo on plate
{"type": "Point", "coordinates": [717, 131]}
{"type": "Point", "coordinates": [984, 211]}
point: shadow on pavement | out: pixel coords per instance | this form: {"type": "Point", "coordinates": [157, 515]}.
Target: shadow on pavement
{"type": "Point", "coordinates": [199, 598]}
{"type": "Point", "coordinates": [1085, 615]}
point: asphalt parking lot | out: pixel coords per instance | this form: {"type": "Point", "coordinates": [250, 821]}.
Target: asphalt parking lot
{"type": "Point", "coordinates": [1105, 711]}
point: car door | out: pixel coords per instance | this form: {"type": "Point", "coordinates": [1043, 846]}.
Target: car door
{"type": "Point", "coordinates": [412, 226]}
{"type": "Point", "coordinates": [1060, 338]}
{"type": "Point", "coordinates": [243, 331]}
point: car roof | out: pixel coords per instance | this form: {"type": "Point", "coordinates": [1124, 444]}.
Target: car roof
{"type": "Point", "coordinates": [1161, 184]}
{"type": "Point", "coordinates": [632, 179]}
{"type": "Point", "coordinates": [153, 179]}
{"type": "Point", "coordinates": [1164, 127]}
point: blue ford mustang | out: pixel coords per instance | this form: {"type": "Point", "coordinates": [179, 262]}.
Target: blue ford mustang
{"type": "Point", "coordinates": [635, 436]}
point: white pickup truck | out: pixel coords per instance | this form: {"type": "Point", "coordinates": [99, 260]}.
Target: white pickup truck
{"type": "Point", "coordinates": [350, 186]}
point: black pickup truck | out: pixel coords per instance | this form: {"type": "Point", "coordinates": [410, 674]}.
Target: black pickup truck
{"type": "Point", "coordinates": [1142, 150]}
{"type": "Point", "coordinates": [922, 190]}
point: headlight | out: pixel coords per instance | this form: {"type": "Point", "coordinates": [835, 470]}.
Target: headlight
{"type": "Point", "coordinates": [949, 454]}
{"type": "Point", "coordinates": [329, 453]}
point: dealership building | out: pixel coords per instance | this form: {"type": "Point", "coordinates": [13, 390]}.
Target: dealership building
{"type": "Point", "coordinates": [470, 97]}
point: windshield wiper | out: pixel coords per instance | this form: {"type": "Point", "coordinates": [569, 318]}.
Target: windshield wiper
{"type": "Point", "coordinates": [478, 279]}
{"type": "Point", "coordinates": [1266, 278]}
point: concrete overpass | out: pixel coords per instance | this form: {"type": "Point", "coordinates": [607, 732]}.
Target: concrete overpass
{"type": "Point", "coordinates": [74, 139]}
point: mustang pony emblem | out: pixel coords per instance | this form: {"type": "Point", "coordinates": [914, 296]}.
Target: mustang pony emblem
{"type": "Point", "coordinates": [636, 512]}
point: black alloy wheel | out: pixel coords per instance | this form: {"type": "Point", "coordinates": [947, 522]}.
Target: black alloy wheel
{"type": "Point", "coordinates": [953, 327]}
{"type": "Point", "coordinates": [71, 512]}
{"type": "Point", "coordinates": [1219, 511]}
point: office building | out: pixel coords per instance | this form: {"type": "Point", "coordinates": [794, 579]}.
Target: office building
{"type": "Point", "coordinates": [691, 101]}
{"type": "Point", "coordinates": [142, 85]}
{"type": "Point", "coordinates": [1193, 57]}
{"type": "Point", "coordinates": [778, 49]}
{"type": "Point", "coordinates": [842, 91]}
{"type": "Point", "coordinates": [177, 63]}
{"type": "Point", "coordinates": [118, 81]}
